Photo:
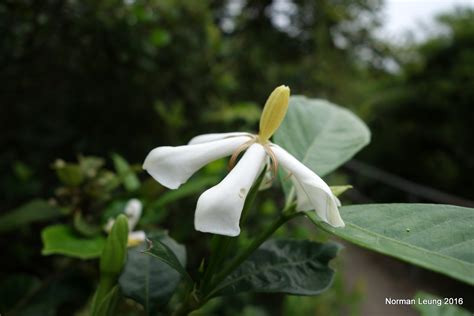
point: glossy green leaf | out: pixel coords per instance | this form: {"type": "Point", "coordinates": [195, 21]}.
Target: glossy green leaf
{"type": "Point", "coordinates": [125, 172]}
{"type": "Point", "coordinates": [433, 236]}
{"type": "Point", "coordinates": [164, 253]}
{"type": "Point", "coordinates": [149, 281]}
{"type": "Point", "coordinates": [63, 240]}
{"type": "Point", "coordinates": [34, 211]}
{"type": "Point", "coordinates": [431, 305]}
{"type": "Point", "coordinates": [285, 266]}
{"type": "Point", "coordinates": [320, 134]}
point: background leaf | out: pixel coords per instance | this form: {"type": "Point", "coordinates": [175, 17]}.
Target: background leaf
{"type": "Point", "coordinates": [435, 310]}
{"type": "Point", "coordinates": [125, 172]}
{"type": "Point", "coordinates": [339, 189]}
{"type": "Point", "coordinates": [167, 255]}
{"type": "Point", "coordinates": [433, 236]}
{"type": "Point", "coordinates": [150, 281]}
{"type": "Point", "coordinates": [320, 134]}
{"type": "Point", "coordinates": [63, 240]}
{"type": "Point", "coordinates": [34, 211]}
{"type": "Point", "coordinates": [285, 266]}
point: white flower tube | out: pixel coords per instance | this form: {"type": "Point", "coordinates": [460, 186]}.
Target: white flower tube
{"type": "Point", "coordinates": [219, 208]}
{"type": "Point", "coordinates": [312, 192]}
{"type": "Point", "coordinates": [173, 166]}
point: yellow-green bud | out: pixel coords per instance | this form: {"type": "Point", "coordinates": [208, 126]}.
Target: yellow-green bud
{"type": "Point", "coordinates": [115, 250]}
{"type": "Point", "coordinates": [274, 112]}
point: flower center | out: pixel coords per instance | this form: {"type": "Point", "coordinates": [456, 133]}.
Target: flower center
{"type": "Point", "coordinates": [266, 146]}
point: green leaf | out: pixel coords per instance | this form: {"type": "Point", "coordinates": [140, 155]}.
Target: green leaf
{"type": "Point", "coordinates": [337, 190]}
{"type": "Point", "coordinates": [90, 165]}
{"type": "Point", "coordinates": [285, 266]}
{"type": "Point", "coordinates": [433, 236]}
{"type": "Point", "coordinates": [430, 306]}
{"type": "Point", "coordinates": [68, 173]}
{"type": "Point", "coordinates": [125, 172]}
{"type": "Point", "coordinates": [34, 211]}
{"type": "Point", "coordinates": [149, 281]}
{"type": "Point", "coordinates": [63, 240]}
{"type": "Point", "coordinates": [85, 228]}
{"type": "Point", "coordinates": [320, 134]}
{"type": "Point", "coordinates": [164, 253]}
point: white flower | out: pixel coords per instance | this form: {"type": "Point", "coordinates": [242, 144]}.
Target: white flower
{"type": "Point", "coordinates": [219, 208]}
{"type": "Point", "coordinates": [133, 211]}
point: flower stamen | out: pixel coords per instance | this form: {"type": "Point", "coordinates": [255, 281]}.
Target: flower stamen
{"type": "Point", "coordinates": [239, 150]}
{"type": "Point", "coordinates": [273, 159]}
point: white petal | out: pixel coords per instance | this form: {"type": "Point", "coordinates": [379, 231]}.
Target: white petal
{"type": "Point", "coordinates": [219, 208]}
{"type": "Point", "coordinates": [172, 166]}
{"type": "Point", "coordinates": [303, 203]}
{"type": "Point", "coordinates": [136, 238]}
{"type": "Point", "coordinates": [205, 138]}
{"type": "Point", "coordinates": [133, 210]}
{"type": "Point", "coordinates": [312, 192]}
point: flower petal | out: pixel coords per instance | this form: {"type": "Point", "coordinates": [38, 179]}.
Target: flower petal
{"type": "Point", "coordinates": [172, 166]}
{"type": "Point", "coordinates": [136, 238]}
{"type": "Point", "coordinates": [219, 208]}
{"type": "Point", "coordinates": [133, 210]}
{"type": "Point", "coordinates": [205, 138]}
{"type": "Point", "coordinates": [312, 192]}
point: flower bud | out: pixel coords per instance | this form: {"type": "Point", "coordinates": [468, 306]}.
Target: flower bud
{"type": "Point", "coordinates": [115, 250]}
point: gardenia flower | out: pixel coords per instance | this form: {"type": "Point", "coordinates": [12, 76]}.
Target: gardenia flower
{"type": "Point", "coordinates": [133, 211]}
{"type": "Point", "coordinates": [219, 208]}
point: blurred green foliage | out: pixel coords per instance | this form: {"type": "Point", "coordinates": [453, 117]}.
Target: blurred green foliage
{"type": "Point", "coordinates": [107, 76]}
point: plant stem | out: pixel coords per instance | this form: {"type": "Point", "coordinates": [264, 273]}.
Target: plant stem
{"type": "Point", "coordinates": [286, 215]}
{"type": "Point", "coordinates": [190, 304]}
{"type": "Point", "coordinates": [223, 243]}
{"type": "Point", "coordinates": [218, 252]}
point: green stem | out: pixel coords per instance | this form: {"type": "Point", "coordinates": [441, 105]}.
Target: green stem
{"type": "Point", "coordinates": [218, 252]}
{"type": "Point", "coordinates": [285, 216]}
{"type": "Point", "coordinates": [106, 284]}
